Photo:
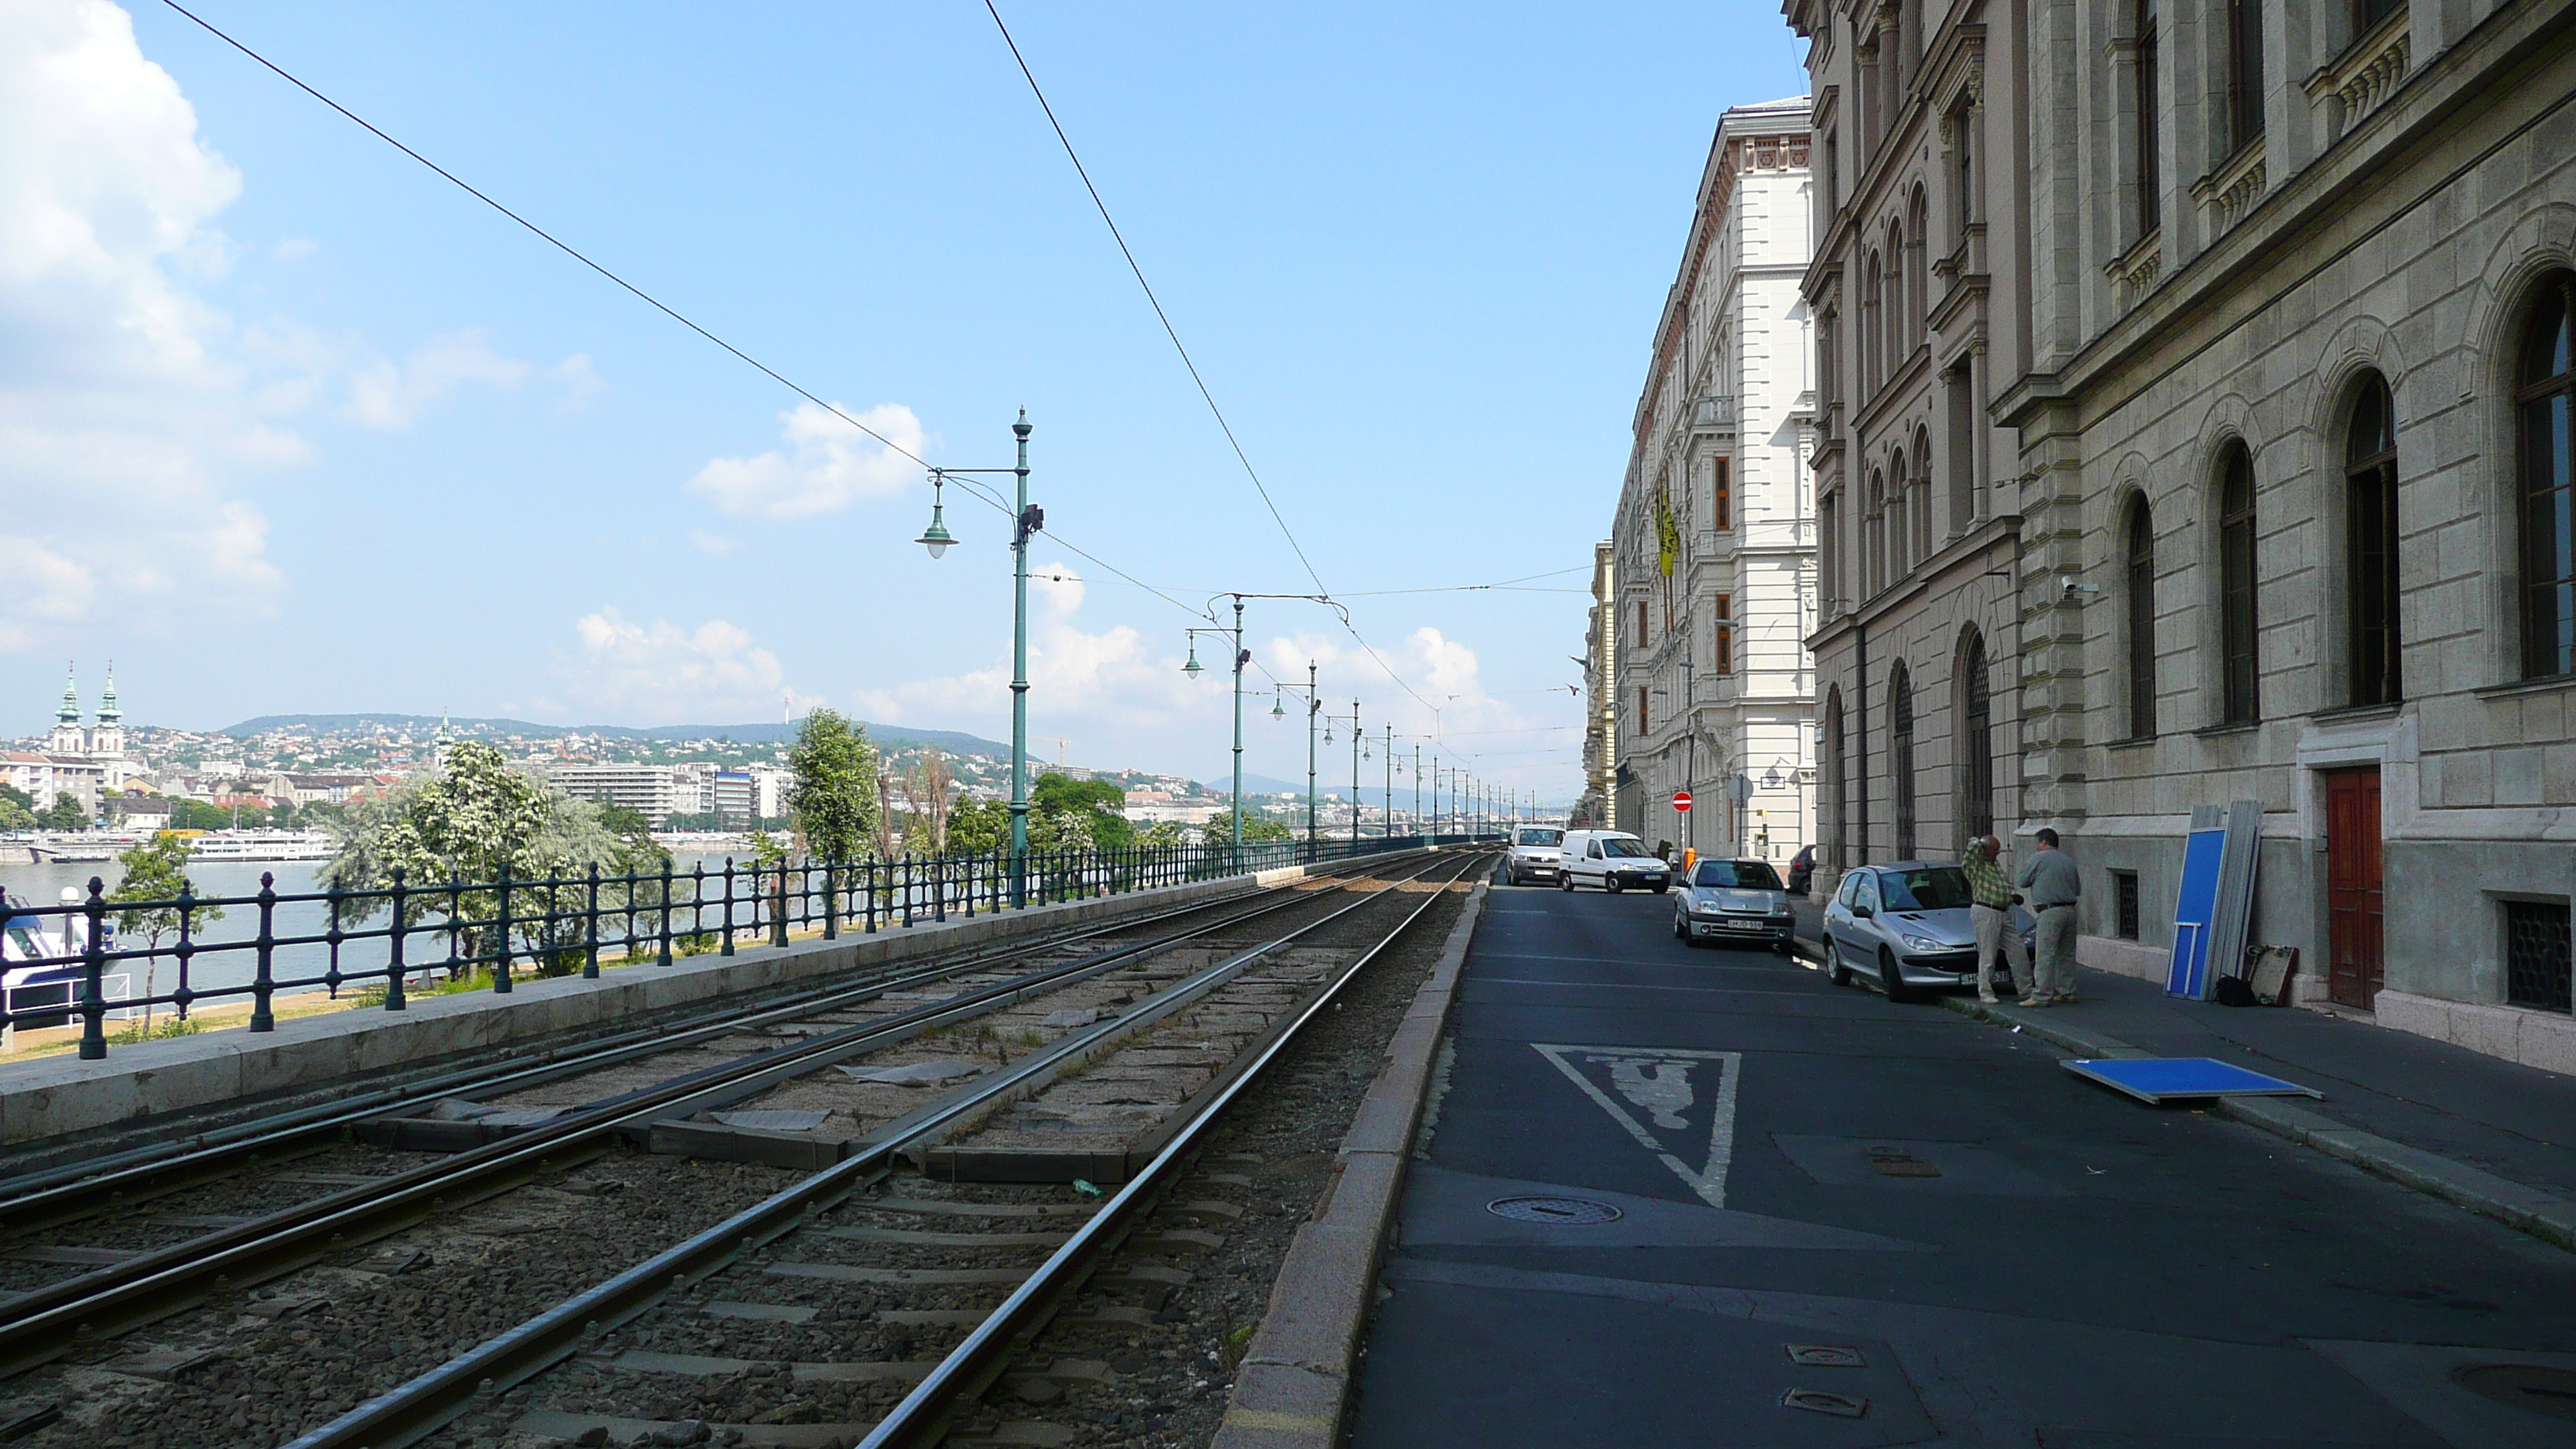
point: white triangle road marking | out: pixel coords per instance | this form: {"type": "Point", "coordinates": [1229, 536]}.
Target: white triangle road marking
{"type": "Point", "coordinates": [1658, 1081]}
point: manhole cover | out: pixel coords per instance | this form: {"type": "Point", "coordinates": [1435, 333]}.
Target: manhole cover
{"type": "Point", "coordinates": [1826, 1355]}
{"type": "Point", "coordinates": [2537, 1387]}
{"type": "Point", "coordinates": [1817, 1401]}
{"type": "Point", "coordinates": [1575, 1210]}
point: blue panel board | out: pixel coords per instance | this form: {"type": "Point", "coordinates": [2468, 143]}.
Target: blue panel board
{"type": "Point", "coordinates": [2195, 906]}
{"type": "Point", "coordinates": [2157, 1079]}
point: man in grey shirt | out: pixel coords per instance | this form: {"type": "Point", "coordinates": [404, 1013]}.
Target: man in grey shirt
{"type": "Point", "coordinates": [2049, 881]}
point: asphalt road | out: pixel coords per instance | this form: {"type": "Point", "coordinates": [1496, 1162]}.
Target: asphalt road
{"type": "Point", "coordinates": [2004, 1253]}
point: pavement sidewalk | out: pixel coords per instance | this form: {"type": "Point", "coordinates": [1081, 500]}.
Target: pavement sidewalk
{"type": "Point", "coordinates": [2492, 1136]}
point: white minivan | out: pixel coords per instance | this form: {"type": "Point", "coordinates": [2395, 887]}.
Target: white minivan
{"type": "Point", "coordinates": [1614, 860]}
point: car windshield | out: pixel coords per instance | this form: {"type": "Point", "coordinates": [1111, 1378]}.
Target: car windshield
{"type": "Point", "coordinates": [1751, 875]}
{"type": "Point", "coordinates": [1623, 849]}
{"type": "Point", "coordinates": [1928, 888]}
{"type": "Point", "coordinates": [1542, 837]}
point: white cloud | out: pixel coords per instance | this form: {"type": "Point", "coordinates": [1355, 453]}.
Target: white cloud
{"type": "Point", "coordinates": [661, 673]}
{"type": "Point", "coordinates": [384, 394]}
{"type": "Point", "coordinates": [713, 545]}
{"type": "Point", "coordinates": [121, 419]}
{"type": "Point", "coordinates": [826, 466]}
{"type": "Point", "coordinates": [292, 249]}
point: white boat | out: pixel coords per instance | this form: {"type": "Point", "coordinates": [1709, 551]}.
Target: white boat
{"type": "Point", "coordinates": [263, 845]}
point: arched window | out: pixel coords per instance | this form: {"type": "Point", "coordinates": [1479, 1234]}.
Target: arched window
{"type": "Point", "coordinates": [1837, 810]}
{"type": "Point", "coordinates": [1871, 316]}
{"type": "Point", "coordinates": [2150, 177]}
{"type": "Point", "coordinates": [2370, 545]}
{"type": "Point", "coordinates": [1876, 525]}
{"type": "Point", "coordinates": [1976, 739]}
{"type": "Point", "coordinates": [2546, 402]}
{"type": "Point", "coordinates": [1918, 286]}
{"type": "Point", "coordinates": [1921, 514]}
{"type": "Point", "coordinates": [1900, 539]}
{"type": "Point", "coordinates": [1900, 757]}
{"type": "Point", "coordinates": [2240, 701]}
{"type": "Point", "coordinates": [2141, 565]}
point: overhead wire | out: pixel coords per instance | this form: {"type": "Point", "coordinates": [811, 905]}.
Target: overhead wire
{"type": "Point", "coordinates": [549, 238]}
{"type": "Point", "coordinates": [1198, 379]}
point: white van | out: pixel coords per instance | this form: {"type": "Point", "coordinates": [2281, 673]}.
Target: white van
{"type": "Point", "coordinates": [1614, 860]}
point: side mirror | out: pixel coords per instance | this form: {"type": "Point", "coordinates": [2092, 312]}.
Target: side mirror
{"type": "Point", "coordinates": [1862, 913]}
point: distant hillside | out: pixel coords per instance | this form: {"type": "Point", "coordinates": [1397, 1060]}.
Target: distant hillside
{"type": "Point", "coordinates": [953, 741]}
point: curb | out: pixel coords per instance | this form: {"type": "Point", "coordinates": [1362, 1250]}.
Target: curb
{"type": "Point", "coordinates": [2543, 1215]}
{"type": "Point", "coordinates": [1294, 1385]}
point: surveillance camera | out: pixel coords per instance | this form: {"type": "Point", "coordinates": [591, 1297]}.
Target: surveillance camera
{"type": "Point", "coordinates": [2073, 586]}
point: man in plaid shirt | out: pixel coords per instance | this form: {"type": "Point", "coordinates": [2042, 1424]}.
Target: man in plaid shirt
{"type": "Point", "coordinates": [1990, 911]}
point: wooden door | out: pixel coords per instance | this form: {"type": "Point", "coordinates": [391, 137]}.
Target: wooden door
{"type": "Point", "coordinates": [2353, 916]}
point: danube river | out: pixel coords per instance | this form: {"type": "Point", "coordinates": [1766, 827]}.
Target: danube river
{"type": "Point", "coordinates": [43, 884]}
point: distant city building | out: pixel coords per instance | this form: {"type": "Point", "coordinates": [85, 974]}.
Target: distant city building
{"type": "Point", "coordinates": [83, 763]}
{"type": "Point", "coordinates": [651, 790]}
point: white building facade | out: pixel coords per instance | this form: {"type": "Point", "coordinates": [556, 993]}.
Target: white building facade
{"type": "Point", "coordinates": [1713, 548]}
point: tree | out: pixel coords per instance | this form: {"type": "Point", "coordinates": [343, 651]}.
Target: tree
{"type": "Point", "coordinates": [468, 823]}
{"type": "Point", "coordinates": [979, 827]}
{"type": "Point", "coordinates": [156, 871]}
{"type": "Point", "coordinates": [1220, 829]}
{"type": "Point", "coordinates": [12, 795]}
{"type": "Point", "coordinates": [14, 816]}
{"type": "Point", "coordinates": [64, 814]}
{"type": "Point", "coordinates": [834, 797]}
{"type": "Point", "coordinates": [1071, 814]}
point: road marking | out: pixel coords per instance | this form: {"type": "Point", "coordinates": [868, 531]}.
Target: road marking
{"type": "Point", "coordinates": [1657, 1080]}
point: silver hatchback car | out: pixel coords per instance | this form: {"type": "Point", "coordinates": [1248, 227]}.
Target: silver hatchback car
{"type": "Point", "coordinates": [1905, 927]}
{"type": "Point", "coordinates": [1734, 903]}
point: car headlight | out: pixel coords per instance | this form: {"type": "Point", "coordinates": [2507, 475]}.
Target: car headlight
{"type": "Point", "coordinates": [1922, 943]}
{"type": "Point", "coordinates": [1782, 908]}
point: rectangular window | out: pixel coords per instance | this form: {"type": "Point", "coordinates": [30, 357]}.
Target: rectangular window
{"type": "Point", "coordinates": [2150, 139]}
{"type": "Point", "coordinates": [1641, 709]}
{"type": "Point", "coordinates": [2244, 73]}
{"type": "Point", "coordinates": [1724, 499]}
{"type": "Point", "coordinates": [1641, 624]}
{"type": "Point", "coordinates": [2124, 894]}
{"type": "Point", "coordinates": [2536, 954]}
{"type": "Point", "coordinates": [1725, 634]}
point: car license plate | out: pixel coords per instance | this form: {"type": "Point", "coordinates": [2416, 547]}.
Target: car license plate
{"type": "Point", "coordinates": [1743, 925]}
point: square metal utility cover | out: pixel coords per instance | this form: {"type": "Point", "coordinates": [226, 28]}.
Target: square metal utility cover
{"type": "Point", "coordinates": [1826, 1355]}
{"type": "Point", "coordinates": [2164, 1079]}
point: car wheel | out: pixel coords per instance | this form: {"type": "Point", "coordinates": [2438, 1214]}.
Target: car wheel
{"type": "Point", "coordinates": [1611, 884]}
{"type": "Point", "coordinates": [1659, 890]}
{"type": "Point", "coordinates": [1835, 971]}
{"type": "Point", "coordinates": [1681, 928]}
{"type": "Point", "coordinates": [1891, 980]}
{"type": "Point", "coordinates": [1565, 883]}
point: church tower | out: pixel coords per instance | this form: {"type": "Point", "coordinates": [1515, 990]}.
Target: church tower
{"type": "Point", "coordinates": [67, 738]}
{"type": "Point", "coordinates": [108, 740]}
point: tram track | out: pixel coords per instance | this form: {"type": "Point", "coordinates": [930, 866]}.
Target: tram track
{"type": "Point", "coordinates": [75, 1315]}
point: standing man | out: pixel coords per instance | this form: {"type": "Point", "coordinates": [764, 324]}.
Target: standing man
{"type": "Point", "coordinates": [1990, 910]}
{"type": "Point", "coordinates": [2048, 878]}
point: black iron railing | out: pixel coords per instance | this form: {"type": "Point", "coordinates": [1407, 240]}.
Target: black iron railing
{"type": "Point", "coordinates": [408, 936]}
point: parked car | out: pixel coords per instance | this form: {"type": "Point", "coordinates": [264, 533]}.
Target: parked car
{"type": "Point", "coordinates": [1534, 854]}
{"type": "Point", "coordinates": [1739, 902]}
{"type": "Point", "coordinates": [1905, 926]}
{"type": "Point", "coordinates": [1802, 871]}
{"type": "Point", "coordinates": [1611, 859]}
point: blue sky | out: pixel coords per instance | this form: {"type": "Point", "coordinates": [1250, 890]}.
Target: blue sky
{"type": "Point", "coordinates": [289, 424]}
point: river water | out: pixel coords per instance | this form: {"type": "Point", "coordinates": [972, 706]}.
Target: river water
{"type": "Point", "coordinates": [41, 885]}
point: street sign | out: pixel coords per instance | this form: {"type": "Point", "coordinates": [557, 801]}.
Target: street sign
{"type": "Point", "coordinates": [1681, 801]}
{"type": "Point", "coordinates": [1740, 788]}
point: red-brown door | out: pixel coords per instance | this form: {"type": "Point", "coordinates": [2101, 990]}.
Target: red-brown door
{"type": "Point", "coordinates": [2353, 919]}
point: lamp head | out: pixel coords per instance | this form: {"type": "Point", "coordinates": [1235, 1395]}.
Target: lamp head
{"type": "Point", "coordinates": [1192, 668]}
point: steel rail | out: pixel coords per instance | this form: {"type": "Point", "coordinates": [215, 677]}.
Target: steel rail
{"type": "Point", "coordinates": [48, 1198]}
{"type": "Point", "coordinates": [927, 1415]}
{"type": "Point", "coordinates": [405, 1414]}
{"type": "Point", "coordinates": [46, 1322]}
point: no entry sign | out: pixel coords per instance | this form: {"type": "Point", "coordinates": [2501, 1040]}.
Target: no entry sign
{"type": "Point", "coordinates": [1681, 801]}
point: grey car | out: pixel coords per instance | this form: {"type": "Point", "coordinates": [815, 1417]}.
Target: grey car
{"type": "Point", "coordinates": [1736, 903]}
{"type": "Point", "coordinates": [1905, 927]}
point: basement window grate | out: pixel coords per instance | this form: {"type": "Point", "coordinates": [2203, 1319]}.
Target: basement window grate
{"type": "Point", "coordinates": [2536, 954]}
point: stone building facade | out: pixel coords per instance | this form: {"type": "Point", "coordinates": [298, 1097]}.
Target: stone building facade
{"type": "Point", "coordinates": [1712, 548]}
{"type": "Point", "coordinates": [1600, 696]}
{"type": "Point", "coordinates": [2269, 391]}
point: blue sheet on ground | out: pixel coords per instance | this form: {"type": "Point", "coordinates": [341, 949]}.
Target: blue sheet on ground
{"type": "Point", "coordinates": [2155, 1079]}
